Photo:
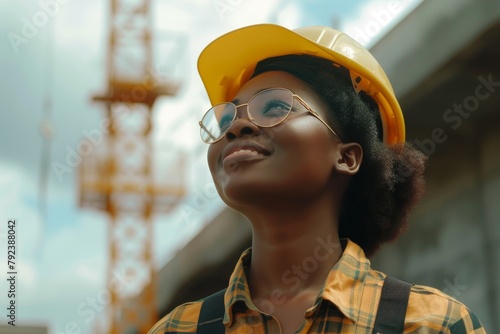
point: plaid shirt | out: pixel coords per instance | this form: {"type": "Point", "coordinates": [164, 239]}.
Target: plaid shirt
{"type": "Point", "coordinates": [346, 304]}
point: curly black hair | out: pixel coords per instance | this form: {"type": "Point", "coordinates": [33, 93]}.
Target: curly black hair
{"type": "Point", "coordinates": [390, 180]}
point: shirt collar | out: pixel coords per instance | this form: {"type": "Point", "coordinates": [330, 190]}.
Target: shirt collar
{"type": "Point", "coordinates": [343, 286]}
{"type": "Point", "coordinates": [238, 290]}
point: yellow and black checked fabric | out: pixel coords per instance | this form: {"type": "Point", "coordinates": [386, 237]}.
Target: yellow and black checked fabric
{"type": "Point", "coordinates": [347, 304]}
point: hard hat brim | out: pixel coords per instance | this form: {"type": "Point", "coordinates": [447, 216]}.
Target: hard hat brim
{"type": "Point", "coordinates": [228, 62]}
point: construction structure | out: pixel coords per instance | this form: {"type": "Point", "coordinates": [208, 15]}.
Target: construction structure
{"type": "Point", "coordinates": [121, 176]}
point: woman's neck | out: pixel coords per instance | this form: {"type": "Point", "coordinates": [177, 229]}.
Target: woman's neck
{"type": "Point", "coordinates": [293, 250]}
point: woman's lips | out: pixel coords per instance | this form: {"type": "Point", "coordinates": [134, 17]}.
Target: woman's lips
{"type": "Point", "coordinates": [242, 151]}
{"type": "Point", "coordinates": [242, 155]}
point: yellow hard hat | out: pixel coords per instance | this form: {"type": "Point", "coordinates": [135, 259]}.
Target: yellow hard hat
{"type": "Point", "coordinates": [229, 61]}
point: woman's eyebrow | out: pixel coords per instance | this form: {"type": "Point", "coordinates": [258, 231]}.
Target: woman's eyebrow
{"type": "Point", "coordinates": [237, 101]}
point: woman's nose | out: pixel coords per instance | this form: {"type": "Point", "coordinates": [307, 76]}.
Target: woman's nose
{"type": "Point", "coordinates": [242, 126]}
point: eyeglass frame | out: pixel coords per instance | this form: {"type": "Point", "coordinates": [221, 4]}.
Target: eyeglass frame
{"type": "Point", "coordinates": [251, 119]}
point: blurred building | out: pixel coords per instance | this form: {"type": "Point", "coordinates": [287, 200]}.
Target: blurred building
{"type": "Point", "coordinates": [443, 62]}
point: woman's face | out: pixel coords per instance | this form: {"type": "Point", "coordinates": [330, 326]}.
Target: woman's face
{"type": "Point", "coordinates": [291, 161]}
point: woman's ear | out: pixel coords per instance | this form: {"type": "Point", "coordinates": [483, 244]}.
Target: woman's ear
{"type": "Point", "coordinates": [349, 158]}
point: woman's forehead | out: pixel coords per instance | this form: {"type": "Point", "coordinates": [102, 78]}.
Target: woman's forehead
{"type": "Point", "coordinates": [272, 79]}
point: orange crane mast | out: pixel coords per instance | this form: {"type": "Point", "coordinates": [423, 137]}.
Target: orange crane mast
{"type": "Point", "coordinates": [118, 177]}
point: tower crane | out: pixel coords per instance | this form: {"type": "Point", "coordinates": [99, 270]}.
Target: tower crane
{"type": "Point", "coordinates": [119, 176]}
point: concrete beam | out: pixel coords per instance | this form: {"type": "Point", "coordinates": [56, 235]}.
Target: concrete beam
{"type": "Point", "coordinates": [426, 39]}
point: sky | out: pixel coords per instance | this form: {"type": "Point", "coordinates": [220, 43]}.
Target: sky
{"type": "Point", "coordinates": [55, 50]}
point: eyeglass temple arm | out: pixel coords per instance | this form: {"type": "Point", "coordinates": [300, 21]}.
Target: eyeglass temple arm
{"type": "Point", "coordinates": [315, 114]}
{"type": "Point", "coordinates": [206, 130]}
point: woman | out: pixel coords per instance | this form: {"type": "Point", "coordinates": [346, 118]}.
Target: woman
{"type": "Point", "coordinates": [311, 150]}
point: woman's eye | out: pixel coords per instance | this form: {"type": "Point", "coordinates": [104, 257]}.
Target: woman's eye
{"type": "Point", "coordinates": [225, 122]}
{"type": "Point", "coordinates": [275, 108]}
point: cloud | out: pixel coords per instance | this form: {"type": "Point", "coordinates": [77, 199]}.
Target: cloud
{"type": "Point", "coordinates": [72, 268]}
{"type": "Point", "coordinates": [56, 269]}
{"type": "Point", "coordinates": [290, 16]}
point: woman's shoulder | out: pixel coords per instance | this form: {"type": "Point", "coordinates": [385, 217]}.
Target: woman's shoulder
{"type": "Point", "coordinates": [182, 319]}
{"type": "Point", "coordinates": [435, 310]}
{"type": "Point", "coordinates": [430, 310]}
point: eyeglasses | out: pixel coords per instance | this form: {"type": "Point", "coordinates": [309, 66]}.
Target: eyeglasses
{"type": "Point", "coordinates": [265, 109]}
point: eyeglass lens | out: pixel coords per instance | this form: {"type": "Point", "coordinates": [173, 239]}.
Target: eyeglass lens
{"type": "Point", "coordinates": [266, 109]}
